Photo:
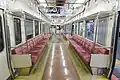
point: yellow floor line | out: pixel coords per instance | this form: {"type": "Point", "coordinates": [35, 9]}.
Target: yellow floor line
{"type": "Point", "coordinates": [83, 74]}
{"type": "Point", "coordinates": [19, 79]}
{"type": "Point", "coordinates": [117, 62]}
{"type": "Point", "coordinates": [102, 78]}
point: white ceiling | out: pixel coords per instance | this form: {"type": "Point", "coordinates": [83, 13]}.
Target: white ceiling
{"type": "Point", "coordinates": [68, 8]}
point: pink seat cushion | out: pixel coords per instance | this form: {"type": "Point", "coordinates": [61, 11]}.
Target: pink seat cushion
{"type": "Point", "coordinates": [114, 77]}
{"type": "Point", "coordinates": [33, 46]}
{"type": "Point", "coordinates": [85, 48]}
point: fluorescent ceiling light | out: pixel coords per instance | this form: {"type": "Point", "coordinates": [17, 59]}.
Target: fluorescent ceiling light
{"type": "Point", "coordinates": [78, 1]}
{"type": "Point", "coordinates": [43, 3]}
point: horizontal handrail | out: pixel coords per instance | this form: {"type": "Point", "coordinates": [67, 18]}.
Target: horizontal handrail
{"type": "Point", "coordinates": [104, 47]}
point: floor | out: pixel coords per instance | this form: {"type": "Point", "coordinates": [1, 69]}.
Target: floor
{"type": "Point", "coordinates": [59, 66]}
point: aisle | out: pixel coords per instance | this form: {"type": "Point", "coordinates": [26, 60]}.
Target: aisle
{"type": "Point", "coordinates": [59, 66]}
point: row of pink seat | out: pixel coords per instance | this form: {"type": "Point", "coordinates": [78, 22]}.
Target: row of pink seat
{"type": "Point", "coordinates": [32, 46]}
{"type": "Point", "coordinates": [85, 48]}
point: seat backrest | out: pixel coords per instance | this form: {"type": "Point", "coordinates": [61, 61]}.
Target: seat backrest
{"type": "Point", "coordinates": [113, 77]}
{"type": "Point", "coordinates": [100, 50]}
{"type": "Point", "coordinates": [86, 45]}
{"type": "Point", "coordinates": [25, 48]}
{"type": "Point", "coordinates": [89, 45]}
{"type": "Point", "coordinates": [83, 42]}
{"type": "Point", "coordinates": [18, 50]}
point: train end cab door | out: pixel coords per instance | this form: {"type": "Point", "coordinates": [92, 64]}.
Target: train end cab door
{"type": "Point", "coordinates": [5, 70]}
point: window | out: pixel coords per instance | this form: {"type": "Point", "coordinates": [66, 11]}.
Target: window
{"type": "Point", "coordinates": [29, 28]}
{"type": "Point", "coordinates": [40, 27]}
{"type": "Point", "coordinates": [102, 31]}
{"type": "Point", "coordinates": [1, 36]}
{"type": "Point", "coordinates": [73, 29]}
{"type": "Point", "coordinates": [89, 29]}
{"type": "Point", "coordinates": [17, 28]}
{"type": "Point", "coordinates": [80, 28]}
{"type": "Point", "coordinates": [43, 26]}
{"type": "Point", "coordinates": [36, 28]}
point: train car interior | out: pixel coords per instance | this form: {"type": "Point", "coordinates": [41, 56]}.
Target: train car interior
{"type": "Point", "coordinates": [59, 39]}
